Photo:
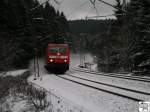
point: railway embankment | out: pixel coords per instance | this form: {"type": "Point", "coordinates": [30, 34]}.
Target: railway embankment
{"type": "Point", "coordinates": [18, 95]}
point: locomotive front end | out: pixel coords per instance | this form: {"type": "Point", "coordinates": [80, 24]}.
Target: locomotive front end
{"type": "Point", "coordinates": [57, 57]}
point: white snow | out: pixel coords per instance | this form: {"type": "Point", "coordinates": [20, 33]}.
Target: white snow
{"type": "Point", "coordinates": [84, 99]}
{"type": "Point", "coordinates": [112, 89]}
{"type": "Point", "coordinates": [90, 99]}
{"type": "Point", "coordinates": [76, 61]}
{"type": "Point", "coordinates": [131, 84]}
{"type": "Point", "coordinates": [15, 72]}
{"type": "Point", "coordinates": [13, 103]}
{"type": "Point", "coordinates": [52, 84]}
{"type": "Point", "coordinates": [19, 106]}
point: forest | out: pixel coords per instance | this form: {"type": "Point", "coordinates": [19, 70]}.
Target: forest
{"type": "Point", "coordinates": [26, 26]}
{"type": "Point", "coordinates": [123, 44]}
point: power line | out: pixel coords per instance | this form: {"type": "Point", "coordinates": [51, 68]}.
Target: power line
{"type": "Point", "coordinates": [77, 8]}
{"type": "Point", "coordinates": [93, 3]}
{"type": "Point", "coordinates": [102, 16]}
{"type": "Point", "coordinates": [90, 11]}
{"type": "Point", "coordinates": [112, 5]}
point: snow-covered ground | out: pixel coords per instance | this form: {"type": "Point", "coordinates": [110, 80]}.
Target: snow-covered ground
{"type": "Point", "coordinates": [87, 98]}
{"type": "Point", "coordinates": [131, 84]}
{"type": "Point", "coordinates": [59, 103]}
{"type": "Point", "coordinates": [131, 94]}
{"type": "Point", "coordinates": [14, 104]}
{"type": "Point", "coordinates": [15, 72]}
{"type": "Point", "coordinates": [75, 60]}
{"type": "Point", "coordinates": [66, 96]}
{"type": "Point", "coordinates": [80, 98]}
{"type": "Point", "coordinates": [10, 99]}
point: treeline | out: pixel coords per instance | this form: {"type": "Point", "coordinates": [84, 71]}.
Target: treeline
{"type": "Point", "coordinates": [86, 33]}
{"type": "Point", "coordinates": [88, 26]}
{"type": "Point", "coordinates": [24, 26]}
{"type": "Point", "coordinates": [127, 45]}
{"type": "Point", "coordinates": [132, 29]}
{"type": "Point", "coordinates": [124, 44]}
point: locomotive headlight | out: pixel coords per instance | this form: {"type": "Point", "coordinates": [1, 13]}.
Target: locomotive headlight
{"type": "Point", "coordinates": [51, 60]}
{"type": "Point", "coordinates": [65, 60]}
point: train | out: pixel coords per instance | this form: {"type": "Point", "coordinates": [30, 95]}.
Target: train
{"type": "Point", "coordinates": [57, 58]}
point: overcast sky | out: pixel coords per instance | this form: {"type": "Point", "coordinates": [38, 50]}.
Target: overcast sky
{"type": "Point", "coordinates": [80, 9]}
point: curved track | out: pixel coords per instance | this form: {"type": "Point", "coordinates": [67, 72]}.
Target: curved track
{"type": "Point", "coordinates": [122, 76]}
{"type": "Point", "coordinates": [98, 82]}
{"type": "Point", "coordinates": [115, 90]}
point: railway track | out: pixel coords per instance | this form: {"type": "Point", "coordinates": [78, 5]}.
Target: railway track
{"type": "Point", "coordinates": [115, 90]}
{"type": "Point", "coordinates": [122, 76]}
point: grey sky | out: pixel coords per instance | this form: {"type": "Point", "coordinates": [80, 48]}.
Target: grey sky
{"type": "Point", "coordinates": [80, 9]}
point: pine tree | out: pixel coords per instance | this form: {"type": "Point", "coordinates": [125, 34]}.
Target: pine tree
{"type": "Point", "coordinates": [143, 48]}
{"type": "Point", "coordinates": [134, 32]}
{"type": "Point", "coordinates": [20, 27]}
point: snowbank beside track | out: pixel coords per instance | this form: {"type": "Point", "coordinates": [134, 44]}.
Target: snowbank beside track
{"type": "Point", "coordinates": [58, 102]}
{"type": "Point", "coordinates": [83, 98]}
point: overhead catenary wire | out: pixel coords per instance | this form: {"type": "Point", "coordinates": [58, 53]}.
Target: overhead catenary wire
{"type": "Point", "coordinates": [112, 6]}
{"type": "Point", "coordinates": [102, 16]}
{"type": "Point", "coordinates": [93, 3]}
{"type": "Point", "coordinates": [94, 6]}
{"type": "Point", "coordinates": [77, 8]}
{"type": "Point", "coordinates": [90, 11]}
{"type": "Point", "coordinates": [109, 15]}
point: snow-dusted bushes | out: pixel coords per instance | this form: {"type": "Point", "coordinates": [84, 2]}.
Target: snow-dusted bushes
{"type": "Point", "coordinates": [17, 89]}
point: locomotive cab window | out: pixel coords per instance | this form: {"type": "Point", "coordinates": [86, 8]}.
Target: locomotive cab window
{"type": "Point", "coordinates": [62, 50]}
{"type": "Point", "coordinates": [53, 50]}
{"type": "Point", "coordinates": [58, 50]}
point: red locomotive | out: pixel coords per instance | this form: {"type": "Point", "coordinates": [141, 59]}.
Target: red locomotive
{"type": "Point", "coordinates": [57, 57]}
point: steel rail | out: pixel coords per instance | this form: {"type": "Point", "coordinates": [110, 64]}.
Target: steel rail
{"type": "Point", "coordinates": [115, 75]}
{"type": "Point", "coordinates": [100, 89]}
{"type": "Point", "coordinates": [136, 91]}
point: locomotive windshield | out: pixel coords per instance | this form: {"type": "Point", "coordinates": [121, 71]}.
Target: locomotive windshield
{"type": "Point", "coordinates": [62, 50]}
{"type": "Point", "coordinates": [55, 50]}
